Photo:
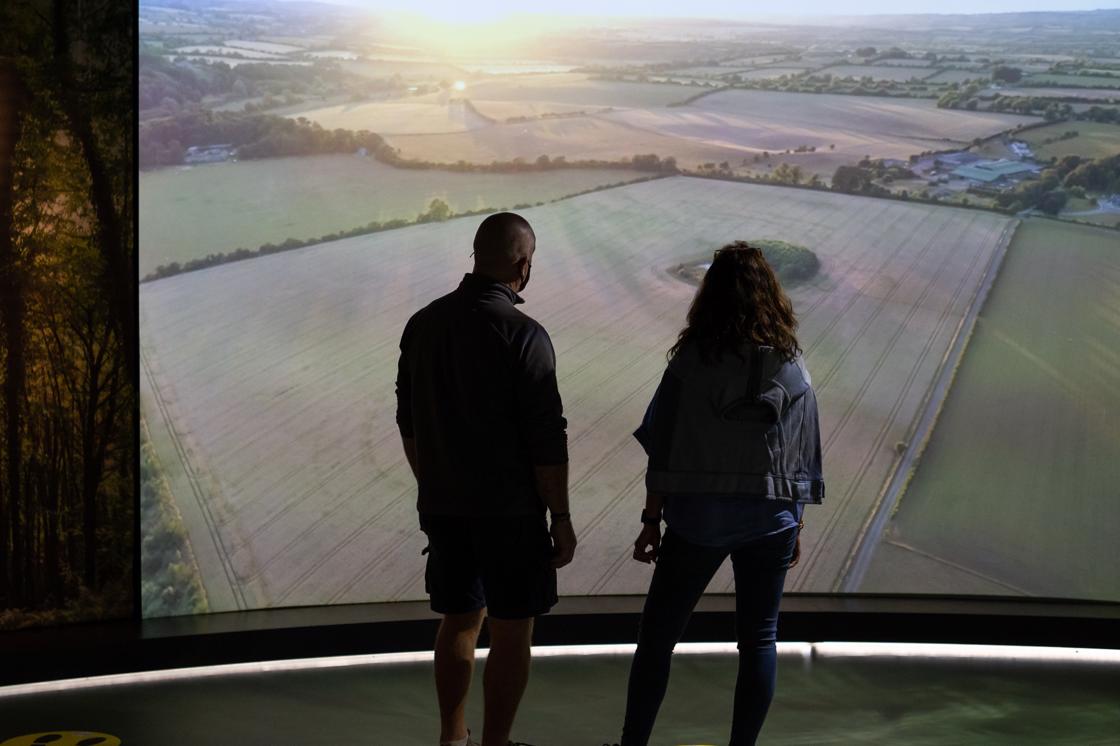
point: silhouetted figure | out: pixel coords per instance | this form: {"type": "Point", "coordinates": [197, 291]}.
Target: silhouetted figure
{"type": "Point", "coordinates": [483, 428]}
{"type": "Point", "coordinates": [734, 452]}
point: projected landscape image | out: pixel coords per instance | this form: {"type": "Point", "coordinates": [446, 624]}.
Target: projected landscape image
{"type": "Point", "coordinates": [313, 174]}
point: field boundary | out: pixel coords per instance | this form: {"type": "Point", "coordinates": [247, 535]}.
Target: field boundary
{"type": "Point", "coordinates": [196, 512]}
{"type": "Point", "coordinates": [852, 574]}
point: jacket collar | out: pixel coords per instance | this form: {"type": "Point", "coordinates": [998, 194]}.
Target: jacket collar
{"type": "Point", "coordinates": [479, 284]}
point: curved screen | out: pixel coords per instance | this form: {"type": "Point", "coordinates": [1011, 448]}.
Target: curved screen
{"type": "Point", "coordinates": [939, 194]}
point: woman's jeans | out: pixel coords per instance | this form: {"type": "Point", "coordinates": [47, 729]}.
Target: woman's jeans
{"type": "Point", "coordinates": [683, 572]}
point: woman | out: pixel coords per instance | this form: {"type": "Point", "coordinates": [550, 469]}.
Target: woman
{"type": "Point", "coordinates": [734, 453]}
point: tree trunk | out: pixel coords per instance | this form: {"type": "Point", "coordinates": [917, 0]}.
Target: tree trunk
{"type": "Point", "coordinates": [118, 280]}
{"type": "Point", "coordinates": [51, 476]}
{"type": "Point", "coordinates": [12, 97]}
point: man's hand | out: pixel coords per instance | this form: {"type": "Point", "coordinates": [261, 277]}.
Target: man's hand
{"type": "Point", "coordinates": [563, 542]}
{"type": "Point", "coordinates": [648, 543]}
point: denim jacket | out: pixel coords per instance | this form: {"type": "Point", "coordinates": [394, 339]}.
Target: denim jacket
{"type": "Point", "coordinates": [743, 425]}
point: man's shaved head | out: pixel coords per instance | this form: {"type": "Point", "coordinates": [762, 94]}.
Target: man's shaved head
{"type": "Point", "coordinates": [501, 243]}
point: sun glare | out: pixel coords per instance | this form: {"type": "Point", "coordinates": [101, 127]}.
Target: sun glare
{"type": "Point", "coordinates": [452, 33]}
{"type": "Point", "coordinates": [460, 85]}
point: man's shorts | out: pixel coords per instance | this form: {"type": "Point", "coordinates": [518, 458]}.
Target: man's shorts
{"type": "Point", "coordinates": [501, 563]}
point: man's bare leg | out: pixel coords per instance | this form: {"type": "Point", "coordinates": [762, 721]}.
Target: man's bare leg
{"type": "Point", "coordinates": [505, 677]}
{"type": "Point", "coordinates": [454, 664]}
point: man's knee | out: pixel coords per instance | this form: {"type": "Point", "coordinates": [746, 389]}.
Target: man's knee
{"type": "Point", "coordinates": [464, 621]}
{"type": "Point", "coordinates": [510, 632]}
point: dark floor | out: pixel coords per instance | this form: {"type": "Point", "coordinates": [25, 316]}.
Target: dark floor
{"type": "Point", "coordinates": [579, 702]}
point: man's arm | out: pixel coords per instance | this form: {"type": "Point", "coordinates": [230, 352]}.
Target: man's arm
{"type": "Point", "coordinates": [648, 543]}
{"type": "Point", "coordinates": [552, 484]}
{"type": "Point", "coordinates": [404, 404]}
{"type": "Point", "coordinates": [545, 430]}
{"type": "Point", "coordinates": [410, 454]}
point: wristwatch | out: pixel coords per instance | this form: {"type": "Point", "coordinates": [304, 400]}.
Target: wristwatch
{"type": "Point", "coordinates": [651, 520]}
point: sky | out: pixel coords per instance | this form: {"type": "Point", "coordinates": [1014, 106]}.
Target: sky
{"type": "Point", "coordinates": [491, 10]}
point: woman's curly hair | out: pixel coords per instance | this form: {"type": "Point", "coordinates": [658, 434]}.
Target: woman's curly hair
{"type": "Point", "coordinates": [740, 300]}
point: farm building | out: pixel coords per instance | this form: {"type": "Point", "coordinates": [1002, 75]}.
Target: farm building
{"type": "Point", "coordinates": [959, 158]}
{"type": "Point", "coordinates": [995, 172]}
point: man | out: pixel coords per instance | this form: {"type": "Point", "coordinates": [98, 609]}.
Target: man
{"type": "Point", "coordinates": [483, 428]}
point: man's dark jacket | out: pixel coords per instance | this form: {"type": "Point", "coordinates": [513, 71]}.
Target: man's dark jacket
{"type": "Point", "coordinates": [476, 388]}
{"type": "Point", "coordinates": [745, 424]}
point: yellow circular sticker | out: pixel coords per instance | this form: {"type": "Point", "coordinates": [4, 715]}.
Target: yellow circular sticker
{"type": "Point", "coordinates": [64, 738]}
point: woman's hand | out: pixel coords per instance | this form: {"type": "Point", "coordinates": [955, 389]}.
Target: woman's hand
{"type": "Point", "coordinates": [647, 544]}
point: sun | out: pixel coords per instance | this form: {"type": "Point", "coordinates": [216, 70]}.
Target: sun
{"type": "Point", "coordinates": [460, 85]}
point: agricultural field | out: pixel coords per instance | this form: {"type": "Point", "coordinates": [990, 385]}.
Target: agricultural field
{"type": "Point", "coordinates": [1094, 140]}
{"type": "Point", "coordinates": [492, 67]}
{"type": "Point", "coordinates": [1015, 491]}
{"type": "Point", "coordinates": [958, 76]}
{"type": "Point", "coordinates": [431, 114]}
{"type": "Point", "coordinates": [575, 138]}
{"type": "Point", "coordinates": [248, 54]}
{"type": "Point", "coordinates": [235, 61]}
{"type": "Point", "coordinates": [268, 384]}
{"type": "Point", "coordinates": [1106, 219]}
{"type": "Point", "coordinates": [745, 62]}
{"type": "Point", "coordinates": [1085, 81]}
{"type": "Point", "coordinates": [1101, 94]}
{"type": "Point", "coordinates": [911, 119]}
{"type": "Point", "coordinates": [770, 73]}
{"type": "Point", "coordinates": [896, 74]}
{"type": "Point", "coordinates": [500, 111]}
{"type": "Point", "coordinates": [264, 46]}
{"type": "Point", "coordinates": [332, 54]}
{"type": "Point", "coordinates": [904, 62]}
{"type": "Point", "coordinates": [726, 126]}
{"type": "Point", "coordinates": [708, 71]}
{"type": "Point", "coordinates": [573, 89]}
{"type": "Point", "coordinates": [408, 69]}
{"type": "Point", "coordinates": [189, 212]}
{"type": "Point", "coordinates": [749, 122]}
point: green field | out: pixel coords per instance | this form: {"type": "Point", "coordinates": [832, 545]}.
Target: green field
{"type": "Point", "coordinates": [886, 72]}
{"type": "Point", "coordinates": [1108, 219]}
{"type": "Point", "coordinates": [189, 212]}
{"type": "Point", "coordinates": [1094, 140]}
{"type": "Point", "coordinates": [1094, 94]}
{"type": "Point", "coordinates": [1077, 81]}
{"type": "Point", "coordinates": [270, 381]}
{"type": "Point", "coordinates": [1016, 491]}
{"type": "Point", "coordinates": [958, 76]}
{"type": "Point", "coordinates": [769, 73]}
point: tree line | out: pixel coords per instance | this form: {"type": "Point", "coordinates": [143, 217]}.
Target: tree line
{"type": "Point", "coordinates": [1071, 176]}
{"type": "Point", "coordinates": [437, 211]}
{"type": "Point", "coordinates": [164, 142]}
{"type": "Point", "coordinates": [67, 311]}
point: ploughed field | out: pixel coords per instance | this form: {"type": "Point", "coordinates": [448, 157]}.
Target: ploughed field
{"type": "Point", "coordinates": [189, 212]}
{"type": "Point", "coordinates": [652, 118]}
{"type": "Point", "coordinates": [268, 384]}
{"type": "Point", "coordinates": [422, 114]}
{"type": "Point", "coordinates": [1016, 491]}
